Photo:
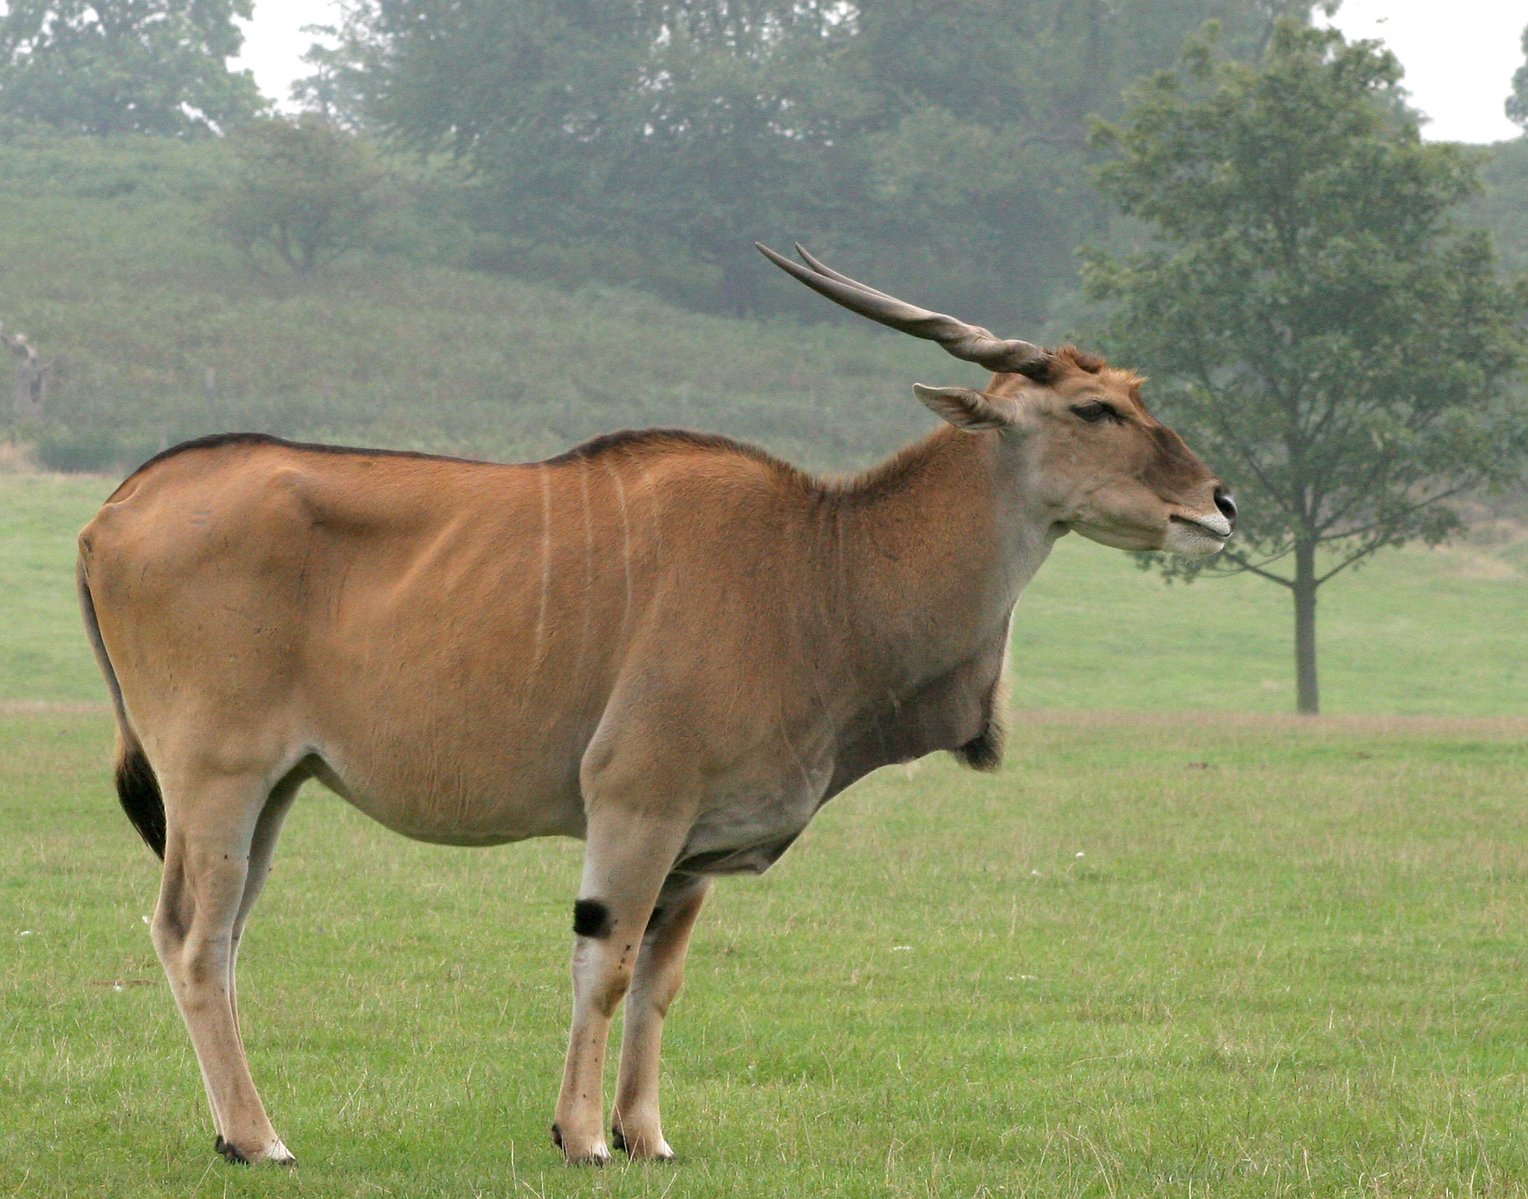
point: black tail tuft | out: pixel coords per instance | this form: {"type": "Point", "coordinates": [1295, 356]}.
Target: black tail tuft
{"type": "Point", "coordinates": [138, 789]}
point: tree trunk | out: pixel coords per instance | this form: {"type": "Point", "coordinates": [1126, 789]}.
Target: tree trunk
{"type": "Point", "coordinates": [1307, 688]}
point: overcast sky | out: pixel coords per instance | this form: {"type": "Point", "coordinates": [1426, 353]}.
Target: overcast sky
{"type": "Point", "coordinates": [1459, 57]}
{"type": "Point", "coordinates": [1459, 54]}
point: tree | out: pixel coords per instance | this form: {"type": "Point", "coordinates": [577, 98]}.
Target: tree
{"type": "Point", "coordinates": [125, 66]}
{"type": "Point", "coordinates": [306, 192]}
{"type": "Point", "coordinates": [1315, 321]}
{"type": "Point", "coordinates": [336, 90]}
{"type": "Point", "coordinates": [1517, 102]}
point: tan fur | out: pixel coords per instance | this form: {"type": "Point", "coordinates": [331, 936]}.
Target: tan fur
{"type": "Point", "coordinates": [670, 645]}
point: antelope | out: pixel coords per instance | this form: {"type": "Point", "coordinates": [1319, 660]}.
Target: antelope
{"type": "Point", "coordinates": [669, 644]}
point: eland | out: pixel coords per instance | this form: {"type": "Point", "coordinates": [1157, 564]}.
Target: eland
{"type": "Point", "coordinates": [669, 644]}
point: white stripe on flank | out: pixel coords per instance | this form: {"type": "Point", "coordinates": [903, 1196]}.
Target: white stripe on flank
{"type": "Point", "coordinates": [546, 569]}
{"type": "Point", "coordinates": [620, 495]}
{"type": "Point", "coordinates": [586, 633]}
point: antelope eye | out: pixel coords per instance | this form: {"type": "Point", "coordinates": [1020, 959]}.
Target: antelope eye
{"type": "Point", "coordinates": [1096, 410]}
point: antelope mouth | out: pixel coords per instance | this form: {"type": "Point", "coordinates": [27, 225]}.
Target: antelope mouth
{"type": "Point", "coordinates": [1196, 536]}
{"type": "Point", "coordinates": [1216, 526]}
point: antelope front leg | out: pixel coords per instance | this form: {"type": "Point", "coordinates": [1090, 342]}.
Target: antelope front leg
{"type": "Point", "coordinates": [660, 972]}
{"type": "Point", "coordinates": [624, 868]}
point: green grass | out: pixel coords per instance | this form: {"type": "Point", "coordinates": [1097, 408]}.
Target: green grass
{"type": "Point", "coordinates": [1416, 631]}
{"type": "Point", "coordinates": [42, 654]}
{"type": "Point", "coordinates": [1227, 957]}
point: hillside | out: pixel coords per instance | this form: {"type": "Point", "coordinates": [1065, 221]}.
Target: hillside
{"type": "Point", "coordinates": [158, 331]}
{"type": "Point", "coordinates": [109, 264]}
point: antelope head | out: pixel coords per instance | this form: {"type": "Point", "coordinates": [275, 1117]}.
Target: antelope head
{"type": "Point", "coordinates": [1075, 427]}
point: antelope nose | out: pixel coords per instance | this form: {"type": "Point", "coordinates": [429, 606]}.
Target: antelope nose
{"type": "Point", "coordinates": [1226, 504]}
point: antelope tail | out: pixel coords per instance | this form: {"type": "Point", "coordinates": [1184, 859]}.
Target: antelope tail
{"type": "Point", "coordinates": [137, 785]}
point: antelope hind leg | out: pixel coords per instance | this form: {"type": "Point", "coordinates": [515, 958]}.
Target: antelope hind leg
{"type": "Point", "coordinates": [262, 851]}
{"type": "Point", "coordinates": [210, 828]}
{"type": "Point", "coordinates": [635, 1123]}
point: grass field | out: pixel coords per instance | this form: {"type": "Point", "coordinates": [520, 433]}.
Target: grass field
{"type": "Point", "coordinates": [1182, 945]}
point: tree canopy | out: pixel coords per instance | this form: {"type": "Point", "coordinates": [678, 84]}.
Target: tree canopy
{"type": "Point", "coordinates": [125, 66]}
{"type": "Point", "coordinates": [1315, 321]}
{"type": "Point", "coordinates": [937, 148]}
{"type": "Point", "coordinates": [305, 193]}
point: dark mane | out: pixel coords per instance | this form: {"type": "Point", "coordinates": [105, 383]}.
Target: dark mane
{"type": "Point", "coordinates": [887, 475]}
{"type": "Point", "coordinates": [659, 439]}
{"type": "Point", "coordinates": [890, 474]}
{"type": "Point", "coordinates": [665, 439]}
{"type": "Point", "coordinates": [640, 441]}
{"type": "Point", "coordinates": [637, 440]}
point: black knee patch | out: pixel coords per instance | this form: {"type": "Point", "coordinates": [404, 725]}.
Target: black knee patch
{"type": "Point", "coordinates": [591, 918]}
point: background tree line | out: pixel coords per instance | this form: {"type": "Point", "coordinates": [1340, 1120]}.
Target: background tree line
{"type": "Point", "coordinates": [642, 142]}
{"type": "Point", "coordinates": [942, 149]}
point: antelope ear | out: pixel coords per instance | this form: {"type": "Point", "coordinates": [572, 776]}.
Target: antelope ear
{"type": "Point", "coordinates": [967, 409]}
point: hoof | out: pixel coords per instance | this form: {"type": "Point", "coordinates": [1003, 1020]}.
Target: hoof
{"type": "Point", "coordinates": [274, 1154]}
{"type": "Point", "coordinates": [596, 1154]}
{"type": "Point", "coordinates": [661, 1152]}
{"type": "Point", "coordinates": [278, 1155]}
